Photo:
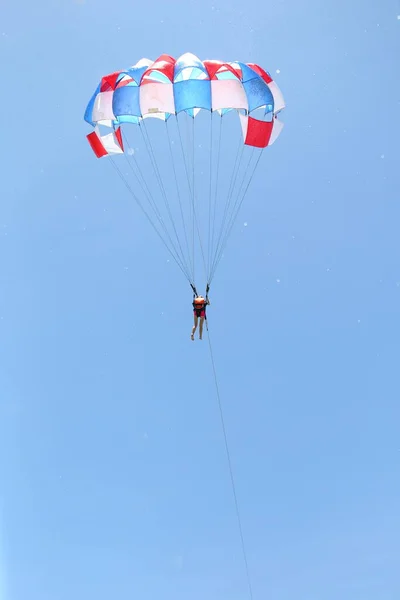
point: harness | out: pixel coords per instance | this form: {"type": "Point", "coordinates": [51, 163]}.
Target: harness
{"type": "Point", "coordinates": [199, 305]}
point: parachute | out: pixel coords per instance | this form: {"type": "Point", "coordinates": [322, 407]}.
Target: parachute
{"type": "Point", "coordinates": [191, 133]}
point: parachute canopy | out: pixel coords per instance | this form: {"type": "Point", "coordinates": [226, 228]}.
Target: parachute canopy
{"type": "Point", "coordinates": [180, 91]}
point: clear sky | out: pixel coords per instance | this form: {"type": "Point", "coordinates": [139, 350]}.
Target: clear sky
{"type": "Point", "coordinates": [113, 477]}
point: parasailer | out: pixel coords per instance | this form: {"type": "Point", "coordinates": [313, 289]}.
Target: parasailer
{"type": "Point", "coordinates": [199, 312]}
{"type": "Point", "coordinates": [180, 166]}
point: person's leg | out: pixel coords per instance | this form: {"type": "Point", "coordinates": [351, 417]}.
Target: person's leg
{"type": "Point", "coordinates": [196, 320]}
{"type": "Point", "coordinates": [201, 328]}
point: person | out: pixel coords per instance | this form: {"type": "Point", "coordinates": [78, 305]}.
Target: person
{"type": "Point", "coordinates": [199, 312]}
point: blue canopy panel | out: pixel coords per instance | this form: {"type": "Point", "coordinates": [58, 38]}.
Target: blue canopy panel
{"type": "Point", "coordinates": [89, 109]}
{"type": "Point", "coordinates": [257, 91]}
{"type": "Point", "coordinates": [126, 101]}
{"type": "Point", "coordinates": [192, 86]}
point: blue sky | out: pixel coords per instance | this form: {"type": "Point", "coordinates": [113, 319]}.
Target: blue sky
{"type": "Point", "coordinates": [113, 477]}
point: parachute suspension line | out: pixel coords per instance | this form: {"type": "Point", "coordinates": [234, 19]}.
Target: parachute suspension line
{"type": "Point", "coordinates": [190, 181]}
{"type": "Point", "coordinates": [236, 166]}
{"type": "Point", "coordinates": [215, 196]}
{"type": "Point", "coordinates": [235, 213]}
{"type": "Point", "coordinates": [150, 150]}
{"type": "Point", "coordinates": [235, 172]}
{"type": "Point", "coordinates": [228, 455]}
{"type": "Point", "coordinates": [239, 200]}
{"type": "Point", "coordinates": [141, 180]}
{"type": "Point", "coordinates": [183, 153]}
{"type": "Point", "coordinates": [179, 197]}
{"type": "Point", "coordinates": [171, 251]}
{"type": "Point", "coordinates": [146, 191]}
{"type": "Point", "coordinates": [228, 204]}
{"type": "Point", "coordinates": [210, 196]}
{"type": "Point", "coordinates": [191, 191]}
{"type": "Point", "coordinates": [234, 177]}
{"type": "Point", "coordinates": [196, 221]}
{"type": "Point", "coordinates": [130, 190]}
{"type": "Point", "coordinates": [193, 194]}
{"type": "Point", "coordinates": [142, 183]}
